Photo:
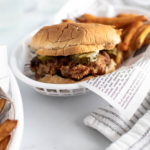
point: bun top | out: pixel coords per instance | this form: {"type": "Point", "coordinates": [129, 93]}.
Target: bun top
{"type": "Point", "coordinates": [73, 38]}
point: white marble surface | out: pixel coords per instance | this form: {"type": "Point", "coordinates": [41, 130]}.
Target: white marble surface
{"type": "Point", "coordinates": [50, 122]}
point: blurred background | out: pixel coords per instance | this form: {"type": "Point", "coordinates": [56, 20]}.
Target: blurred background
{"type": "Point", "coordinates": [19, 17]}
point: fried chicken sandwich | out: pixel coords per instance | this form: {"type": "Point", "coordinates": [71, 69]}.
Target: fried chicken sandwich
{"type": "Point", "coordinates": [73, 52]}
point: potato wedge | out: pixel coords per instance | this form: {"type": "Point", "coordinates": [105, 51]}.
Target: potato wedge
{"type": "Point", "coordinates": [119, 55]}
{"type": "Point", "coordinates": [87, 18]}
{"type": "Point", "coordinates": [125, 31]}
{"type": "Point", "coordinates": [125, 15]}
{"type": "Point", "coordinates": [68, 20]}
{"type": "Point", "coordinates": [132, 45]}
{"type": "Point", "coordinates": [6, 127]}
{"type": "Point", "coordinates": [140, 39]}
{"type": "Point", "coordinates": [127, 54]}
{"type": "Point", "coordinates": [146, 41]}
{"type": "Point", "coordinates": [2, 104]}
{"type": "Point", "coordinates": [4, 142]}
{"type": "Point", "coordinates": [118, 22]}
{"type": "Point", "coordinates": [129, 35]}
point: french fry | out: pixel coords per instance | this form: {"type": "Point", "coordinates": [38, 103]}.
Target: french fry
{"type": "Point", "coordinates": [146, 41]}
{"type": "Point", "coordinates": [118, 22]}
{"type": "Point", "coordinates": [126, 15]}
{"type": "Point", "coordinates": [68, 20]}
{"type": "Point", "coordinates": [142, 36]}
{"type": "Point", "coordinates": [4, 142]}
{"type": "Point", "coordinates": [133, 35]}
{"type": "Point", "coordinates": [129, 35]}
{"type": "Point", "coordinates": [132, 45]}
{"type": "Point", "coordinates": [87, 18]}
{"type": "Point", "coordinates": [126, 30]}
{"type": "Point", "coordinates": [127, 54]}
{"type": "Point", "coordinates": [119, 55]}
{"type": "Point", "coordinates": [2, 104]}
{"type": "Point", "coordinates": [6, 127]}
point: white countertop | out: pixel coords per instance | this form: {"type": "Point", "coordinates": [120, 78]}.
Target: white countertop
{"type": "Point", "coordinates": [51, 122]}
{"type": "Point", "coordinates": [57, 123]}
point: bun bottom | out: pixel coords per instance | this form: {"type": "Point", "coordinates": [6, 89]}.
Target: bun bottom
{"type": "Point", "coordinates": [59, 80]}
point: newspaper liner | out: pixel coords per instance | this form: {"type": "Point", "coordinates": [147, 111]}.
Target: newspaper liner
{"type": "Point", "coordinates": [126, 87]}
{"type": "Point", "coordinates": [8, 111]}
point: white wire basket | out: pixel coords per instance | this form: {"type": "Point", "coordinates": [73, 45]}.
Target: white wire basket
{"type": "Point", "coordinates": [16, 61]}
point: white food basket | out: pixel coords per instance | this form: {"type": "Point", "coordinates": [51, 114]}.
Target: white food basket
{"type": "Point", "coordinates": [17, 65]}
{"type": "Point", "coordinates": [43, 88]}
{"type": "Point", "coordinates": [17, 101]}
{"type": "Point", "coordinates": [68, 11]}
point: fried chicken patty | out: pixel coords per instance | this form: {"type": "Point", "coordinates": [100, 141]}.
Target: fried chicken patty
{"type": "Point", "coordinates": [68, 68]}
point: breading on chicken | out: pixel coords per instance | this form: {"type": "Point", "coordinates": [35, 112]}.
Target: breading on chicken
{"type": "Point", "coordinates": [51, 67]}
{"type": "Point", "coordinates": [79, 71]}
{"type": "Point", "coordinates": [75, 72]}
{"type": "Point", "coordinates": [68, 68]}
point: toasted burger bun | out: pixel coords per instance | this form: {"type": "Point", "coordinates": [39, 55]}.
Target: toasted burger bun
{"type": "Point", "coordinates": [73, 38]}
{"type": "Point", "coordinates": [59, 80]}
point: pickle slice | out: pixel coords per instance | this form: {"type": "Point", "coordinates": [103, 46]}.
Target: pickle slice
{"type": "Point", "coordinates": [85, 58]}
{"type": "Point", "coordinates": [112, 51]}
{"type": "Point", "coordinates": [44, 58]}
